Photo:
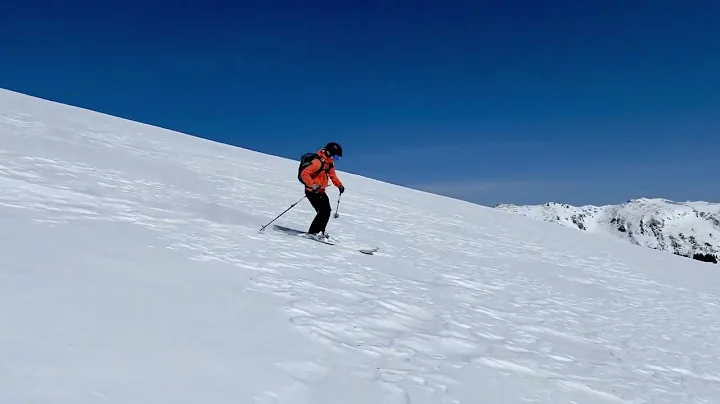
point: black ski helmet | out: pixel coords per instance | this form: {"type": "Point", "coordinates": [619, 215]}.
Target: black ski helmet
{"type": "Point", "coordinates": [333, 149]}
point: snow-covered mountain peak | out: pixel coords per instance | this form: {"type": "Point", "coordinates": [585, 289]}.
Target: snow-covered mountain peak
{"type": "Point", "coordinates": [683, 228]}
{"type": "Point", "coordinates": [133, 271]}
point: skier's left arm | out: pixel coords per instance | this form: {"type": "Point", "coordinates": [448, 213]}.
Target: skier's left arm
{"type": "Point", "coordinates": [335, 180]}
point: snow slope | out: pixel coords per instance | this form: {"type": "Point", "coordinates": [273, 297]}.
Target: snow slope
{"type": "Point", "coordinates": [133, 271]}
{"type": "Point", "coordinates": [683, 228]}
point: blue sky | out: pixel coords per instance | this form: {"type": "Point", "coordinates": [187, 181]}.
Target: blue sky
{"type": "Point", "coordinates": [496, 101]}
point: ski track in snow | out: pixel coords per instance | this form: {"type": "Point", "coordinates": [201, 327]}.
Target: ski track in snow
{"type": "Point", "coordinates": [459, 305]}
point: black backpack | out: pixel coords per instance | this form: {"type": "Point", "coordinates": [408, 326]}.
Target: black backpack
{"type": "Point", "coordinates": [305, 160]}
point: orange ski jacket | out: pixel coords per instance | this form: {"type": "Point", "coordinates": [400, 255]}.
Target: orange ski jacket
{"type": "Point", "coordinates": [318, 172]}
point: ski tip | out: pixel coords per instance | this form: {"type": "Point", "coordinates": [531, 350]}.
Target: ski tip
{"type": "Point", "coordinates": [369, 251]}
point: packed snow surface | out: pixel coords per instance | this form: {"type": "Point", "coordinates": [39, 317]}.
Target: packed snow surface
{"type": "Point", "coordinates": [133, 271]}
{"type": "Point", "coordinates": [683, 228]}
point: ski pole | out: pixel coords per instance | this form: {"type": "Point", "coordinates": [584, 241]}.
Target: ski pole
{"type": "Point", "coordinates": [337, 215]}
{"type": "Point", "coordinates": [278, 216]}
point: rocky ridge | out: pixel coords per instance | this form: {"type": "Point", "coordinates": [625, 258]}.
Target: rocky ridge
{"type": "Point", "coordinates": [690, 229]}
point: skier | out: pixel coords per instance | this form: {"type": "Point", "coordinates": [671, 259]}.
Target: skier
{"type": "Point", "coordinates": [315, 178]}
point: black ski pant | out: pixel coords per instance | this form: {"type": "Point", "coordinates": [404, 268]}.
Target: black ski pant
{"type": "Point", "coordinates": [321, 203]}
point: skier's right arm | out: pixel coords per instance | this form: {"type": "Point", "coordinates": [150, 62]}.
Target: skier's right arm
{"type": "Point", "coordinates": [305, 174]}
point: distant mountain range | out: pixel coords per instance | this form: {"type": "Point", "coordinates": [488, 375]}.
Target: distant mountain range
{"type": "Point", "coordinates": [690, 229]}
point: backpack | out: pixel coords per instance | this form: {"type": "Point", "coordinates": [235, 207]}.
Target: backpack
{"type": "Point", "coordinates": [305, 160]}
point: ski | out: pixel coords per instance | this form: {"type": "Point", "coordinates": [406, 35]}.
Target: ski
{"type": "Point", "coordinates": [362, 249]}
{"type": "Point", "coordinates": [294, 232]}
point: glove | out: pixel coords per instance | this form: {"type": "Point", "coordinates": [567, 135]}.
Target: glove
{"type": "Point", "coordinates": [315, 187]}
{"type": "Point", "coordinates": [341, 188]}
